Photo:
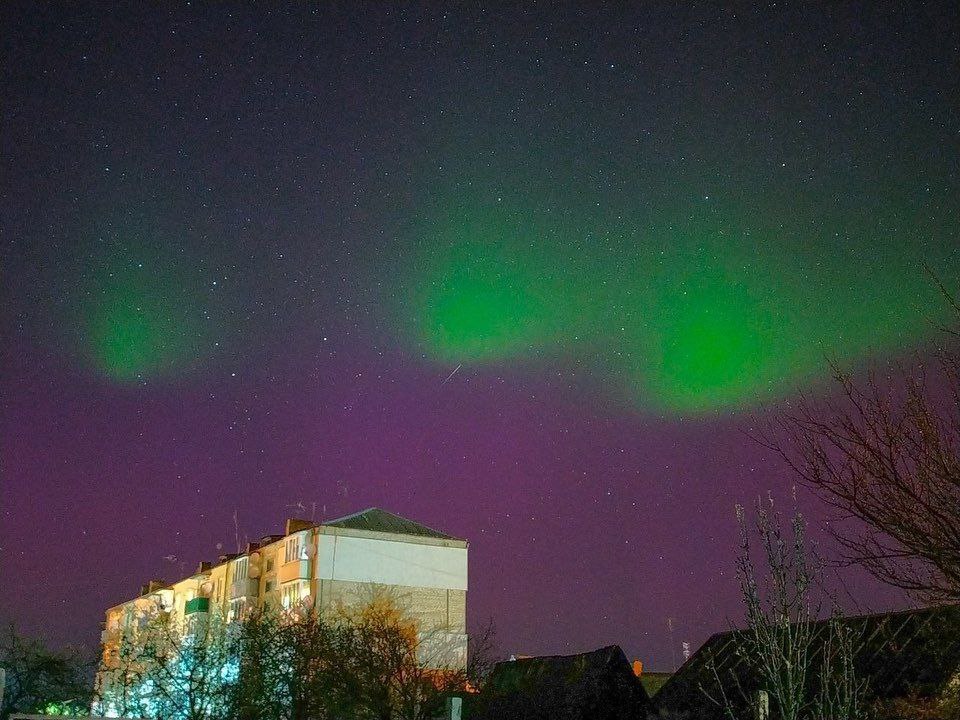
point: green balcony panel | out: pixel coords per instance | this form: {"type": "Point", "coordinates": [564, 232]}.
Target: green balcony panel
{"type": "Point", "coordinates": [200, 604]}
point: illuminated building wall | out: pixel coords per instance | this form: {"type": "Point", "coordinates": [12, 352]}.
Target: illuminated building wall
{"type": "Point", "coordinates": [335, 565]}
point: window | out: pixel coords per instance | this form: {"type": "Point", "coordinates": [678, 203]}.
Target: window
{"type": "Point", "coordinates": [294, 593]}
{"type": "Point", "coordinates": [269, 564]}
{"type": "Point", "coordinates": [236, 610]}
{"type": "Point", "coordinates": [240, 569]}
{"type": "Point", "coordinates": [293, 549]}
{"type": "Point", "coordinates": [270, 586]}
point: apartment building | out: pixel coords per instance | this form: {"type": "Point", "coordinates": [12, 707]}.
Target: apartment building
{"type": "Point", "coordinates": [329, 565]}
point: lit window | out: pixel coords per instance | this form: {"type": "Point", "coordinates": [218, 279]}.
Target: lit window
{"type": "Point", "coordinates": [240, 569]}
{"type": "Point", "coordinates": [294, 593]}
{"type": "Point", "coordinates": [235, 612]}
{"type": "Point", "coordinates": [293, 549]}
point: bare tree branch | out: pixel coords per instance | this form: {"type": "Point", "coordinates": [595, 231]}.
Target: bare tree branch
{"type": "Point", "coordinates": [886, 455]}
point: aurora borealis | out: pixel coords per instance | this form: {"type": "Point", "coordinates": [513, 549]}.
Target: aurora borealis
{"type": "Point", "coordinates": [141, 320]}
{"type": "Point", "coordinates": [698, 314]}
{"type": "Point", "coordinates": [528, 273]}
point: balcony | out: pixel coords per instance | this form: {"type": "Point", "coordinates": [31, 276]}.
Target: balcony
{"type": "Point", "coordinates": [245, 588]}
{"type": "Point", "coordinates": [197, 605]}
{"type": "Point", "coordinates": [164, 599]}
{"type": "Point", "coordinates": [296, 570]}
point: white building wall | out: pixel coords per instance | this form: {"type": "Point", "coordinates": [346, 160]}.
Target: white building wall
{"type": "Point", "coordinates": [367, 560]}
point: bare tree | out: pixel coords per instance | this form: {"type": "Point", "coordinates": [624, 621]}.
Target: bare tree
{"type": "Point", "coordinates": [789, 656]}
{"type": "Point", "coordinates": [400, 672]}
{"type": "Point", "coordinates": [291, 667]}
{"type": "Point", "coordinates": [261, 671]}
{"type": "Point", "coordinates": [188, 666]}
{"type": "Point", "coordinates": [889, 459]}
{"type": "Point", "coordinates": [120, 678]}
{"type": "Point", "coordinates": [37, 677]}
{"type": "Point", "coordinates": [481, 656]}
{"type": "Point", "coordinates": [781, 625]}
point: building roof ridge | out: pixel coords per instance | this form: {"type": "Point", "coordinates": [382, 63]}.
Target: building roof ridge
{"type": "Point", "coordinates": [375, 519]}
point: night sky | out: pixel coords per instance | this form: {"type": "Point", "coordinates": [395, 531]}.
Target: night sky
{"type": "Point", "coordinates": [530, 274]}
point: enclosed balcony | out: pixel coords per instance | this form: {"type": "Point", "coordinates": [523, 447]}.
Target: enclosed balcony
{"type": "Point", "coordinates": [197, 605]}
{"type": "Point", "coordinates": [295, 570]}
{"type": "Point", "coordinates": [244, 588]}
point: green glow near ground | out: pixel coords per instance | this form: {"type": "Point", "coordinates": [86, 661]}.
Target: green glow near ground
{"type": "Point", "coordinates": [689, 317]}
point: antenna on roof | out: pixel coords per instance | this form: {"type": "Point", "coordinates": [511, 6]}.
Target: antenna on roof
{"type": "Point", "coordinates": [313, 512]}
{"type": "Point", "coordinates": [236, 530]}
{"type": "Point", "coordinates": [298, 506]}
{"type": "Point", "coordinates": [673, 650]}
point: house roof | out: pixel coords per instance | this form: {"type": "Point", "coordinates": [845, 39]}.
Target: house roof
{"type": "Point", "coordinates": [377, 520]}
{"type": "Point", "coordinates": [597, 685]}
{"type": "Point", "coordinates": [911, 652]}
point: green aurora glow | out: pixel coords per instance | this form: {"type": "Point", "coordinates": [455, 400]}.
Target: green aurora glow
{"type": "Point", "coordinates": [142, 319]}
{"type": "Point", "coordinates": [703, 314]}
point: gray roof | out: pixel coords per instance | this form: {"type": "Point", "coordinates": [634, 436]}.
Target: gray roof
{"type": "Point", "coordinates": [598, 685]}
{"type": "Point", "coordinates": [377, 520]}
{"type": "Point", "coordinates": [897, 654]}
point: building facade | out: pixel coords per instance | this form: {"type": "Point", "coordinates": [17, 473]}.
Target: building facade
{"type": "Point", "coordinates": [330, 566]}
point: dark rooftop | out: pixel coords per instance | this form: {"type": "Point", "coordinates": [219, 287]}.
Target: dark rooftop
{"type": "Point", "coordinates": [898, 654]}
{"type": "Point", "coordinates": [598, 685]}
{"type": "Point", "coordinates": [377, 520]}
